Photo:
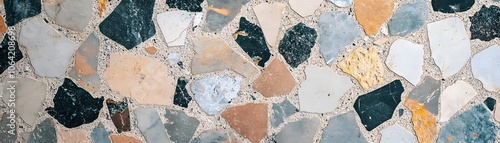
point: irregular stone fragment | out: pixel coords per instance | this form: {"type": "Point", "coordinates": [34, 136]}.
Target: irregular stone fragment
{"type": "Point", "coordinates": [364, 65]}
{"type": "Point", "coordinates": [181, 96]}
{"type": "Point", "coordinates": [485, 67]}
{"type": "Point", "coordinates": [124, 139]}
{"type": "Point", "coordinates": [73, 106]}
{"type": "Point", "coordinates": [322, 89]}
{"type": "Point", "coordinates": [450, 45]}
{"type": "Point", "coordinates": [100, 135]}
{"type": "Point", "coordinates": [85, 64]}
{"type": "Point", "coordinates": [3, 27]}
{"type": "Point", "coordinates": [180, 127]}
{"type": "Point", "coordinates": [144, 80]}
{"type": "Point", "coordinates": [301, 131]}
{"type": "Point", "coordinates": [333, 36]}
{"type": "Point", "coordinates": [427, 93]}
{"type": "Point", "coordinates": [485, 23]}
{"type": "Point", "coordinates": [276, 80]}
{"type": "Point", "coordinates": [18, 10]}
{"type": "Point", "coordinates": [188, 5]}
{"type": "Point", "coordinates": [49, 51]}
{"type": "Point", "coordinates": [8, 132]}
{"type": "Point", "coordinates": [406, 59]}
{"type": "Point", "coordinates": [29, 97]}
{"type": "Point", "coordinates": [130, 23]}
{"type": "Point", "coordinates": [490, 103]}
{"type": "Point", "coordinates": [44, 132]}
{"type": "Point", "coordinates": [150, 125]}
{"type": "Point", "coordinates": [424, 123]}
{"type": "Point", "coordinates": [497, 113]}
{"type": "Point", "coordinates": [269, 16]}
{"type": "Point", "coordinates": [215, 55]}
{"type": "Point", "coordinates": [396, 134]}
{"type": "Point", "coordinates": [342, 3]}
{"type": "Point", "coordinates": [401, 112]}
{"type": "Point", "coordinates": [221, 12]}
{"type": "Point", "coordinates": [297, 43]}
{"type": "Point", "coordinates": [102, 7]}
{"type": "Point", "coordinates": [174, 25]}
{"type": "Point", "coordinates": [216, 136]}
{"type": "Point", "coordinates": [408, 18]}
{"type": "Point", "coordinates": [376, 107]}
{"type": "Point", "coordinates": [151, 50]}
{"type": "Point", "coordinates": [249, 120]}
{"type": "Point", "coordinates": [281, 112]}
{"type": "Point", "coordinates": [215, 92]}
{"type": "Point", "coordinates": [197, 20]}
{"type": "Point", "coordinates": [452, 6]}
{"type": "Point", "coordinates": [65, 135]}
{"type": "Point", "coordinates": [72, 14]}
{"type": "Point", "coordinates": [251, 39]}
{"type": "Point", "coordinates": [304, 8]}
{"type": "Point", "coordinates": [474, 125]}
{"type": "Point", "coordinates": [343, 128]}
{"type": "Point", "coordinates": [380, 42]}
{"type": "Point", "coordinates": [5, 57]}
{"type": "Point", "coordinates": [371, 14]}
{"type": "Point", "coordinates": [454, 98]}
{"type": "Point", "coordinates": [120, 114]}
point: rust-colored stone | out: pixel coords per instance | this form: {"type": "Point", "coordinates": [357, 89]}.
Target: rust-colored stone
{"type": "Point", "coordinates": [365, 66]}
{"type": "Point", "coordinates": [102, 7]}
{"type": "Point", "coordinates": [3, 27]}
{"type": "Point", "coordinates": [123, 139]}
{"type": "Point", "coordinates": [249, 120]}
{"type": "Point", "coordinates": [424, 123]}
{"type": "Point", "coordinates": [151, 50]}
{"type": "Point", "coordinates": [371, 14]}
{"type": "Point", "coordinates": [275, 80]}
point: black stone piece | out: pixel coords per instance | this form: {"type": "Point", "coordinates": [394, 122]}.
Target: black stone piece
{"type": "Point", "coordinates": [486, 23]}
{"type": "Point", "coordinates": [490, 103]}
{"type": "Point", "coordinates": [376, 107]}
{"type": "Point", "coordinates": [181, 96]}
{"type": "Point", "coordinates": [6, 58]}
{"type": "Point", "coordinates": [251, 39]}
{"type": "Point", "coordinates": [73, 106]}
{"type": "Point", "coordinates": [130, 23]}
{"type": "Point", "coordinates": [297, 43]}
{"type": "Point", "coordinates": [188, 5]}
{"type": "Point", "coordinates": [18, 10]}
{"type": "Point", "coordinates": [401, 112]}
{"type": "Point", "coordinates": [452, 6]}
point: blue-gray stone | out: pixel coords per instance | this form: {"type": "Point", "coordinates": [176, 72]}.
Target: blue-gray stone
{"type": "Point", "coordinates": [221, 12]}
{"type": "Point", "coordinates": [180, 127]}
{"type": "Point", "coordinates": [100, 135]}
{"type": "Point", "coordinates": [18, 10]}
{"type": "Point", "coordinates": [427, 92]}
{"type": "Point", "coordinates": [282, 111]}
{"type": "Point", "coordinates": [301, 131]}
{"type": "Point", "coordinates": [408, 18]}
{"type": "Point", "coordinates": [336, 31]}
{"type": "Point", "coordinates": [216, 136]}
{"type": "Point", "coordinates": [343, 129]}
{"type": "Point", "coordinates": [8, 133]}
{"type": "Point", "coordinates": [45, 132]}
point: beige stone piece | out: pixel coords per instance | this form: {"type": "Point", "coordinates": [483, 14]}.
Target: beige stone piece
{"type": "Point", "coordinates": [29, 97]}
{"type": "Point", "coordinates": [305, 7]}
{"type": "Point", "coordinates": [65, 135]}
{"type": "Point", "coordinates": [269, 17]}
{"type": "Point", "coordinates": [364, 65]}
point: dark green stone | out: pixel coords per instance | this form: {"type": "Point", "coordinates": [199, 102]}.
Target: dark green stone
{"type": "Point", "coordinates": [181, 96]}
{"type": "Point", "coordinates": [401, 112]}
{"type": "Point", "coordinates": [297, 43]}
{"type": "Point", "coordinates": [251, 40]}
{"type": "Point", "coordinates": [490, 103]}
{"type": "Point", "coordinates": [452, 6]}
{"type": "Point", "coordinates": [8, 131]}
{"type": "Point", "coordinates": [45, 132]}
{"type": "Point", "coordinates": [180, 127]}
{"type": "Point", "coordinates": [18, 10]}
{"type": "Point", "coordinates": [486, 23]}
{"type": "Point", "coordinates": [188, 5]}
{"type": "Point", "coordinates": [6, 57]}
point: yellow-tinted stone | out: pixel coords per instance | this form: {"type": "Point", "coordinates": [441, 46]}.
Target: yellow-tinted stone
{"type": "Point", "coordinates": [275, 80]}
{"type": "Point", "coordinates": [365, 66]}
{"type": "Point", "coordinates": [102, 7]}
{"type": "Point", "coordinates": [371, 14]}
{"type": "Point", "coordinates": [424, 123]}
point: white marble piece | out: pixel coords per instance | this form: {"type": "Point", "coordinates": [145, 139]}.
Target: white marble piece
{"type": "Point", "coordinates": [48, 50]}
{"type": "Point", "coordinates": [396, 134]}
{"type": "Point", "coordinates": [304, 7]}
{"type": "Point", "coordinates": [450, 45]}
{"type": "Point", "coordinates": [174, 25]}
{"type": "Point", "coordinates": [197, 19]}
{"type": "Point", "coordinates": [454, 98]}
{"type": "Point", "coordinates": [406, 59]}
{"type": "Point", "coordinates": [29, 97]}
{"type": "Point", "coordinates": [485, 67]}
{"type": "Point", "coordinates": [151, 126]}
{"type": "Point", "coordinates": [322, 89]}
{"type": "Point", "coordinates": [213, 93]}
{"type": "Point", "coordinates": [72, 14]}
{"type": "Point", "coordinates": [269, 17]}
{"type": "Point", "coordinates": [342, 3]}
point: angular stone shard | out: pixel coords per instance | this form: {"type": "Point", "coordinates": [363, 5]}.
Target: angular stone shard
{"type": "Point", "coordinates": [85, 64]}
{"type": "Point", "coordinates": [365, 66]}
{"type": "Point", "coordinates": [73, 106]}
{"type": "Point", "coordinates": [304, 8]}
{"type": "Point", "coordinates": [130, 23]}
{"type": "Point", "coordinates": [181, 96]}
{"type": "Point", "coordinates": [452, 6]}
{"type": "Point", "coordinates": [301, 131]}
{"type": "Point", "coordinates": [145, 80]}
{"type": "Point", "coordinates": [65, 135]}
{"type": "Point", "coordinates": [215, 55]}
{"type": "Point", "coordinates": [72, 14]}
{"type": "Point", "coordinates": [18, 10]}
{"type": "Point", "coordinates": [120, 114]}
{"type": "Point", "coordinates": [454, 98]}
{"type": "Point", "coordinates": [150, 125]}
{"type": "Point", "coordinates": [490, 103]}
{"type": "Point", "coordinates": [124, 139]}
{"type": "Point", "coordinates": [333, 36]}
{"type": "Point", "coordinates": [427, 93]}
{"type": "Point", "coordinates": [474, 125]}
{"type": "Point", "coordinates": [269, 16]}
{"type": "Point", "coordinates": [497, 113]}
{"type": "Point", "coordinates": [281, 112]}
{"type": "Point", "coordinates": [251, 39]}
{"type": "Point", "coordinates": [3, 26]}
{"type": "Point", "coordinates": [342, 3]}
{"type": "Point", "coordinates": [276, 80]}
{"type": "Point", "coordinates": [102, 7]}
{"type": "Point", "coordinates": [49, 51]}
{"type": "Point", "coordinates": [485, 23]}
{"type": "Point", "coordinates": [189, 5]}
{"type": "Point", "coordinates": [450, 45]}
{"type": "Point", "coordinates": [249, 120]}
{"type": "Point", "coordinates": [406, 59]}
{"type": "Point", "coordinates": [44, 132]}
{"type": "Point", "coordinates": [424, 123]}
{"type": "Point", "coordinates": [5, 57]}
{"type": "Point", "coordinates": [100, 135]}
{"type": "Point", "coordinates": [180, 127]}
{"type": "Point", "coordinates": [396, 134]}
{"type": "Point", "coordinates": [297, 43]}
{"type": "Point", "coordinates": [221, 12]}
{"type": "Point", "coordinates": [409, 18]}
{"type": "Point", "coordinates": [322, 90]}
{"type": "Point", "coordinates": [376, 107]}
{"type": "Point", "coordinates": [174, 25]}
{"type": "Point", "coordinates": [485, 67]}
{"type": "Point", "coordinates": [8, 133]}
{"type": "Point", "coordinates": [216, 136]}
{"type": "Point", "coordinates": [30, 96]}
{"type": "Point", "coordinates": [215, 92]}
{"type": "Point", "coordinates": [371, 14]}
{"type": "Point", "coordinates": [343, 128]}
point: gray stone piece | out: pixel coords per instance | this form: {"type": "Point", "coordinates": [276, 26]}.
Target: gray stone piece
{"type": "Point", "coordinates": [180, 127]}
{"type": "Point", "coordinates": [100, 135]}
{"type": "Point", "coordinates": [221, 12]}
{"type": "Point", "coordinates": [282, 111]}
{"type": "Point", "coordinates": [72, 14]}
{"type": "Point", "coordinates": [45, 132]}
{"type": "Point", "coordinates": [8, 132]}
{"type": "Point", "coordinates": [343, 128]}
{"type": "Point", "coordinates": [301, 131]}
{"type": "Point", "coordinates": [215, 92]}
{"type": "Point", "coordinates": [427, 93]}
{"type": "Point", "coordinates": [151, 126]}
{"type": "Point", "coordinates": [408, 18]}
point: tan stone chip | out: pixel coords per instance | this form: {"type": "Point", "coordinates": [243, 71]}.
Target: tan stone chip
{"type": "Point", "coordinates": [275, 80]}
{"type": "Point", "coordinates": [249, 120]}
{"type": "Point", "coordinates": [123, 139]}
{"type": "Point", "coordinates": [365, 66]}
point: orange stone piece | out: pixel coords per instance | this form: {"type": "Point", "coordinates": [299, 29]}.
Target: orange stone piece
{"type": "Point", "coordinates": [371, 14]}
{"type": "Point", "coordinates": [123, 139]}
{"type": "Point", "coordinates": [364, 65]}
{"type": "Point", "coordinates": [102, 7]}
{"type": "Point", "coordinates": [275, 80]}
{"type": "Point", "coordinates": [3, 27]}
{"type": "Point", "coordinates": [424, 122]}
{"type": "Point", "coordinates": [249, 120]}
{"type": "Point", "coordinates": [151, 50]}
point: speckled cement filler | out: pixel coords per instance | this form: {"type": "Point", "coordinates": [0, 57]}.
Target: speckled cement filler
{"type": "Point", "coordinates": [290, 18]}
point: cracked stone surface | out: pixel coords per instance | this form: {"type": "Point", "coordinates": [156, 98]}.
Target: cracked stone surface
{"type": "Point", "coordinates": [215, 92]}
{"type": "Point", "coordinates": [174, 25]}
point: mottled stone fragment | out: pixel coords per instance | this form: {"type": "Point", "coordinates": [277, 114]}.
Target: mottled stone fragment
{"type": "Point", "coordinates": [86, 62]}
{"type": "Point", "coordinates": [376, 107]}
{"type": "Point", "coordinates": [130, 23]}
{"type": "Point", "coordinates": [180, 127]}
{"type": "Point", "coordinates": [150, 125]}
{"type": "Point", "coordinates": [396, 134]}
{"type": "Point", "coordinates": [427, 93]}
{"type": "Point", "coordinates": [221, 12]}
{"type": "Point", "coordinates": [251, 39]}
{"type": "Point", "coordinates": [72, 14]}
{"type": "Point", "coordinates": [364, 65]}
{"type": "Point", "coordinates": [29, 97]}
{"type": "Point", "coordinates": [124, 139]}
{"type": "Point", "coordinates": [473, 125]}
{"type": "Point", "coordinates": [216, 136]}
{"type": "Point", "coordinates": [249, 120]}
{"type": "Point", "coordinates": [297, 43]}
{"type": "Point", "coordinates": [333, 36]}
{"type": "Point", "coordinates": [65, 135]}
{"type": "Point", "coordinates": [215, 92]}
{"type": "Point", "coordinates": [409, 18]}
{"type": "Point", "coordinates": [181, 96]}
{"type": "Point", "coordinates": [304, 8]}
{"type": "Point", "coordinates": [269, 16]}
{"type": "Point", "coordinates": [5, 57]}
{"type": "Point", "coordinates": [281, 112]}
{"type": "Point", "coordinates": [188, 5]}
{"type": "Point", "coordinates": [301, 131]}
{"type": "Point", "coordinates": [18, 10]}
{"type": "Point", "coordinates": [322, 89]}
{"type": "Point", "coordinates": [8, 132]}
{"type": "Point", "coordinates": [407, 60]}
{"type": "Point", "coordinates": [486, 23]}
{"type": "Point", "coordinates": [371, 14]}
{"type": "Point", "coordinates": [120, 114]}
{"type": "Point", "coordinates": [100, 134]}
{"type": "Point", "coordinates": [44, 132]}
{"type": "Point", "coordinates": [343, 128]}
{"type": "Point", "coordinates": [342, 3]}
{"type": "Point", "coordinates": [452, 6]}
{"type": "Point", "coordinates": [276, 80]}
{"type": "Point", "coordinates": [73, 106]}
{"type": "Point", "coordinates": [485, 67]}
{"type": "Point", "coordinates": [424, 123]}
{"type": "Point", "coordinates": [174, 25]}
{"type": "Point", "coordinates": [454, 98]}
